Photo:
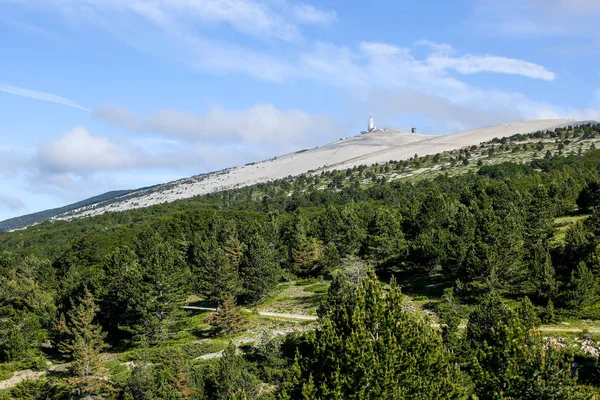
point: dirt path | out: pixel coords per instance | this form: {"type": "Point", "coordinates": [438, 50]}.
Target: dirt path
{"type": "Point", "coordinates": [211, 355]}
{"type": "Point", "coordinates": [20, 376]}
{"type": "Point", "coordinates": [548, 328]}
{"type": "Point", "coordinates": [199, 308]}
{"type": "Point", "coordinates": [301, 317]}
{"type": "Point", "coordinates": [543, 328]}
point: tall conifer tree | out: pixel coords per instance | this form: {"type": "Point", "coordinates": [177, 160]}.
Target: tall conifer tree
{"type": "Point", "coordinates": [371, 347]}
{"type": "Point", "coordinates": [84, 341]}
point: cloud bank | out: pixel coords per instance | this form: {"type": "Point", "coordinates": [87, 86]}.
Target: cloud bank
{"type": "Point", "coordinates": [261, 124]}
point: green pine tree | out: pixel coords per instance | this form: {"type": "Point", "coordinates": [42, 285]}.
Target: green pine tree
{"type": "Point", "coordinates": [232, 377]}
{"type": "Point", "coordinates": [329, 259]}
{"type": "Point", "coordinates": [215, 275]}
{"type": "Point", "coordinates": [450, 323]}
{"type": "Point", "coordinates": [510, 360]}
{"type": "Point", "coordinates": [582, 291]}
{"type": "Point", "coordinates": [550, 315]}
{"type": "Point", "coordinates": [526, 311]}
{"type": "Point", "coordinates": [371, 347]}
{"type": "Point", "coordinates": [162, 293]}
{"type": "Point", "coordinates": [228, 318]}
{"type": "Point", "coordinates": [259, 270]}
{"type": "Point", "coordinates": [122, 283]}
{"type": "Point", "coordinates": [83, 344]}
{"type": "Point", "coordinates": [385, 240]}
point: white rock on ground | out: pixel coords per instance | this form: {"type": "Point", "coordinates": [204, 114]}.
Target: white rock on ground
{"type": "Point", "coordinates": [368, 149]}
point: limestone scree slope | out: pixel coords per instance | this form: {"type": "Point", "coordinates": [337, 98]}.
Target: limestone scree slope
{"type": "Point", "coordinates": [367, 149]}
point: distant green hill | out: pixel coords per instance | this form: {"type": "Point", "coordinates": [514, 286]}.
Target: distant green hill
{"type": "Point", "coordinates": [35, 218]}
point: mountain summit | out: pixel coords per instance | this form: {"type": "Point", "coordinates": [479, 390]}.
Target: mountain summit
{"type": "Point", "coordinates": [376, 146]}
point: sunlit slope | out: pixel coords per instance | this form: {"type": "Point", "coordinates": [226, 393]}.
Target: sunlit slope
{"type": "Point", "coordinates": [438, 144]}
{"type": "Point", "coordinates": [375, 147]}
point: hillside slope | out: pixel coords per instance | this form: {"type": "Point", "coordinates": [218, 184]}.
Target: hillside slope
{"type": "Point", "coordinates": [365, 149]}
{"type": "Point", "coordinates": [438, 144]}
{"type": "Point", "coordinates": [35, 218]}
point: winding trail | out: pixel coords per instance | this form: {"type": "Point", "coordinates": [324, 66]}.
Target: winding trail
{"type": "Point", "coordinates": [301, 317]}
{"type": "Point", "coordinates": [304, 317]}
{"type": "Point", "coordinates": [27, 374]}
{"type": "Point", "coordinates": [20, 376]}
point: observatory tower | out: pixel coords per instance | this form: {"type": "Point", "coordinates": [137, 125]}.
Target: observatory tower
{"type": "Point", "coordinates": [371, 127]}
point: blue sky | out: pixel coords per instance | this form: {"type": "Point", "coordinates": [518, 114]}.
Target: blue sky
{"type": "Point", "coordinates": [97, 95]}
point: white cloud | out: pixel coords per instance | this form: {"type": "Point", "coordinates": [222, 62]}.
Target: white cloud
{"type": "Point", "coordinates": [23, 26]}
{"type": "Point", "coordinates": [194, 143]}
{"type": "Point", "coordinates": [11, 203]}
{"type": "Point", "coordinates": [425, 87]}
{"type": "Point", "coordinates": [312, 15]}
{"type": "Point", "coordinates": [117, 116]}
{"type": "Point", "coordinates": [446, 57]}
{"type": "Point", "coordinates": [262, 124]}
{"type": "Point", "coordinates": [470, 64]}
{"type": "Point", "coordinates": [177, 29]}
{"type": "Point", "coordinates": [256, 18]}
{"type": "Point", "coordinates": [226, 58]}
{"type": "Point", "coordinates": [382, 66]}
{"type": "Point", "coordinates": [52, 98]}
{"type": "Point", "coordinates": [81, 152]}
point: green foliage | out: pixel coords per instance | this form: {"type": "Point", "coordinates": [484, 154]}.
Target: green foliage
{"type": "Point", "coordinates": [550, 314]}
{"type": "Point", "coordinates": [541, 282]}
{"type": "Point", "coordinates": [268, 348]}
{"type": "Point", "coordinates": [373, 332]}
{"type": "Point", "coordinates": [511, 360]}
{"type": "Point", "coordinates": [582, 293]}
{"type": "Point", "coordinates": [161, 295]}
{"type": "Point", "coordinates": [385, 241]}
{"type": "Point", "coordinates": [259, 270]}
{"type": "Point", "coordinates": [489, 232]}
{"type": "Point", "coordinates": [83, 344]}
{"type": "Point", "coordinates": [121, 285]}
{"type": "Point", "coordinates": [173, 378]}
{"type": "Point", "coordinates": [527, 314]}
{"type": "Point", "coordinates": [26, 312]}
{"type": "Point", "coordinates": [215, 275]}
{"type": "Point", "coordinates": [231, 378]}
{"type": "Point", "coordinates": [329, 258]}
{"type": "Point", "coordinates": [41, 389]}
{"type": "Point", "coordinates": [589, 197]}
{"type": "Point", "coordinates": [228, 318]}
{"type": "Point", "coordinates": [6, 372]}
{"type": "Point", "coordinates": [450, 323]}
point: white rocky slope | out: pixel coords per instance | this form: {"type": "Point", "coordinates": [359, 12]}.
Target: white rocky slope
{"type": "Point", "coordinates": [368, 149]}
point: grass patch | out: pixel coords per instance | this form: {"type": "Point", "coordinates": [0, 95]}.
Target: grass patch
{"type": "Point", "coordinates": [171, 352]}
{"type": "Point", "coordinates": [6, 372]}
{"type": "Point", "coordinates": [318, 288]}
{"type": "Point", "coordinates": [568, 220]}
{"type": "Point", "coordinates": [562, 224]}
{"type": "Point", "coordinates": [306, 281]}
